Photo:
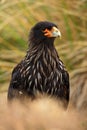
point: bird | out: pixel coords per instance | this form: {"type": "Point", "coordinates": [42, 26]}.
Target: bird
{"type": "Point", "coordinates": [41, 70]}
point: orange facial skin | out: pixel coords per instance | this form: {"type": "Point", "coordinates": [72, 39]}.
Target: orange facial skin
{"type": "Point", "coordinates": [54, 32]}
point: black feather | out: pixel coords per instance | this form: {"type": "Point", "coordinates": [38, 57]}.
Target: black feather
{"type": "Point", "coordinates": [41, 70]}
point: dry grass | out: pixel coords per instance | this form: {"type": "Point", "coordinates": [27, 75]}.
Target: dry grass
{"type": "Point", "coordinates": [42, 114]}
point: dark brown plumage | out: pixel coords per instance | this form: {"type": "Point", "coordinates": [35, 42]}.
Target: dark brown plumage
{"type": "Point", "coordinates": [41, 70]}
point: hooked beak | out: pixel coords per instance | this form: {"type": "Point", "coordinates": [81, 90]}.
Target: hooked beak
{"type": "Point", "coordinates": [54, 32]}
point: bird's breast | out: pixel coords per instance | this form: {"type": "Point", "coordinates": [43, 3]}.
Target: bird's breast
{"type": "Point", "coordinates": [43, 73]}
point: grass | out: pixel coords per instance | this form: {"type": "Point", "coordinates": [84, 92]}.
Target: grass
{"type": "Point", "coordinates": [37, 116]}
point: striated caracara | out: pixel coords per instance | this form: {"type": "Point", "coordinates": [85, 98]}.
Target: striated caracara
{"type": "Point", "coordinates": [41, 70]}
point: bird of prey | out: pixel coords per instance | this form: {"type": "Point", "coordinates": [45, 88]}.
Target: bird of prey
{"type": "Point", "coordinates": [41, 70]}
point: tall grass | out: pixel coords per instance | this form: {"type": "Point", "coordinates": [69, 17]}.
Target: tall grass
{"type": "Point", "coordinates": [18, 16]}
{"type": "Point", "coordinates": [42, 114]}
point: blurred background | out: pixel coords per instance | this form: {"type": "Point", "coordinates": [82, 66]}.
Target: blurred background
{"type": "Point", "coordinates": [16, 19]}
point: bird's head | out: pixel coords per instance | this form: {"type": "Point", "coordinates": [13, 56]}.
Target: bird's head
{"type": "Point", "coordinates": [43, 31]}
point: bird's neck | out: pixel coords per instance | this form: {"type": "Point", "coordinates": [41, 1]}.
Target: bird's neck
{"type": "Point", "coordinates": [45, 47]}
{"type": "Point", "coordinates": [41, 42]}
{"type": "Point", "coordinates": [44, 53]}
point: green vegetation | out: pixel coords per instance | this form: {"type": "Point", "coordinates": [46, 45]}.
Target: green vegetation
{"type": "Point", "coordinates": [18, 16]}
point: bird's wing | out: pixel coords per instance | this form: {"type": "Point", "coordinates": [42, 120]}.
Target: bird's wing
{"type": "Point", "coordinates": [15, 87]}
{"type": "Point", "coordinates": [66, 85]}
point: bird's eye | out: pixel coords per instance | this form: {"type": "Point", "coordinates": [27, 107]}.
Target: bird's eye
{"type": "Point", "coordinates": [49, 27]}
